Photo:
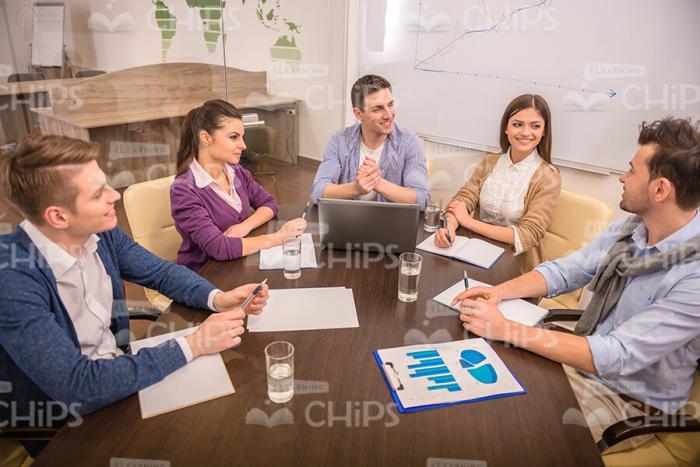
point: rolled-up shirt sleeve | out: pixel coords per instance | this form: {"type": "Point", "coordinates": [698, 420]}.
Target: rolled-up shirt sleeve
{"type": "Point", "coordinates": [574, 271]}
{"type": "Point", "coordinates": [328, 171]}
{"type": "Point", "coordinates": [661, 328]}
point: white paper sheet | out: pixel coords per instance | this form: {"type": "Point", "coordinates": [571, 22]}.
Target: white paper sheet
{"type": "Point", "coordinates": [271, 258]}
{"type": "Point", "coordinates": [469, 250]}
{"type": "Point", "coordinates": [204, 378]}
{"type": "Point", "coordinates": [515, 310]}
{"type": "Point", "coordinates": [306, 309]}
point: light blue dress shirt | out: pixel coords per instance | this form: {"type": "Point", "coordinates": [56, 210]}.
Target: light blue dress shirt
{"type": "Point", "coordinates": [402, 162]}
{"type": "Point", "coordinates": [649, 344]}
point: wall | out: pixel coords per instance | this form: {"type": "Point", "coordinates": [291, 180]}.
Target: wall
{"type": "Point", "coordinates": [116, 34]}
{"type": "Point", "coordinates": [450, 165]}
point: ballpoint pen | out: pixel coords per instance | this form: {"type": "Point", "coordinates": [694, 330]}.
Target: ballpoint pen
{"type": "Point", "coordinates": [252, 295]}
{"type": "Point", "coordinates": [466, 280]}
{"type": "Point", "coordinates": [306, 210]}
{"type": "Point", "coordinates": [446, 227]}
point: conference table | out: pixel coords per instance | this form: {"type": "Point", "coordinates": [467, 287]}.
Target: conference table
{"type": "Point", "coordinates": [342, 412]}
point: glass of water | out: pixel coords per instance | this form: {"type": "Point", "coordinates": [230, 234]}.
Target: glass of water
{"type": "Point", "coordinates": [432, 215]}
{"type": "Point", "coordinates": [409, 272]}
{"type": "Point", "coordinates": [279, 360]}
{"type": "Point", "coordinates": [291, 252]}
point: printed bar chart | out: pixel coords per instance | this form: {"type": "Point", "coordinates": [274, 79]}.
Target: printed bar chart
{"type": "Point", "coordinates": [431, 366]}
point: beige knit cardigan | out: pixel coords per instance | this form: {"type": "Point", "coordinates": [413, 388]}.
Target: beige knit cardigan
{"type": "Point", "coordinates": [541, 200]}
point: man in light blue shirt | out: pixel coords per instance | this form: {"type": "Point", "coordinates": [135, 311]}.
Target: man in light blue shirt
{"type": "Point", "coordinates": [373, 159]}
{"type": "Point", "coordinates": [648, 344]}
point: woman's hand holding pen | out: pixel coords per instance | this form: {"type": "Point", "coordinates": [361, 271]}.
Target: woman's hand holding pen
{"type": "Point", "coordinates": [291, 229]}
{"type": "Point", "coordinates": [445, 236]}
{"type": "Point", "coordinates": [459, 211]}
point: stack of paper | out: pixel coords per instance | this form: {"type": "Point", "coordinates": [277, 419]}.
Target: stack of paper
{"type": "Point", "coordinates": [469, 250]}
{"type": "Point", "coordinates": [204, 378]}
{"type": "Point", "coordinates": [272, 258]}
{"type": "Point", "coordinates": [305, 309]}
{"type": "Point", "coordinates": [514, 310]}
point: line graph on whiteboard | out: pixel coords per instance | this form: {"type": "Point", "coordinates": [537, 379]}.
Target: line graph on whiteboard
{"type": "Point", "coordinates": [450, 38]}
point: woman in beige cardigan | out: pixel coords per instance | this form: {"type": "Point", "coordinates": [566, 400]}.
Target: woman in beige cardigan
{"type": "Point", "coordinates": [512, 196]}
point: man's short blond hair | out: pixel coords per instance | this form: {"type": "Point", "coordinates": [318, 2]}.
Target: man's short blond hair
{"type": "Point", "coordinates": [39, 172]}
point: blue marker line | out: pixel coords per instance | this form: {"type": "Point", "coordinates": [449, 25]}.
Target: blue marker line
{"type": "Point", "coordinates": [428, 362]}
{"type": "Point", "coordinates": [423, 354]}
{"type": "Point", "coordinates": [442, 379]}
{"type": "Point", "coordinates": [440, 370]}
{"type": "Point", "coordinates": [449, 387]}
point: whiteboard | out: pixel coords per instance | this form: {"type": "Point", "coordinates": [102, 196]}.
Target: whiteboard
{"type": "Point", "coordinates": [603, 67]}
{"type": "Point", "coordinates": [47, 34]}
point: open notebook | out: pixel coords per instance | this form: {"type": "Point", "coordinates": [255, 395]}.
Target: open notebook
{"type": "Point", "coordinates": [469, 250]}
{"type": "Point", "coordinates": [514, 309]}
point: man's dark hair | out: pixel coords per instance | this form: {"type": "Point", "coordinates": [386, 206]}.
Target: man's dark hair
{"type": "Point", "coordinates": [677, 156]}
{"type": "Point", "coordinates": [365, 86]}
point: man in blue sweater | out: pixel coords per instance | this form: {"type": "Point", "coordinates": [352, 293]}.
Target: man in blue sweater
{"type": "Point", "coordinates": [64, 325]}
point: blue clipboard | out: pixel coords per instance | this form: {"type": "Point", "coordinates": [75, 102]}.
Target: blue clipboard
{"type": "Point", "coordinates": [403, 409]}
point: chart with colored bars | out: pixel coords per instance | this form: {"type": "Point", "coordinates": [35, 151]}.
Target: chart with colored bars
{"type": "Point", "coordinates": [423, 376]}
{"type": "Point", "coordinates": [431, 366]}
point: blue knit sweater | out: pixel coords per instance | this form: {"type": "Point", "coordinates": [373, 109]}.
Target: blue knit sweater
{"type": "Point", "coordinates": [40, 360]}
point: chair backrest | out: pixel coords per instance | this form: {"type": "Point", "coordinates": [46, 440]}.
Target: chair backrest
{"type": "Point", "coordinates": [577, 220]}
{"type": "Point", "coordinates": [147, 206]}
{"type": "Point", "coordinates": [21, 77]}
{"type": "Point", "coordinates": [88, 73]}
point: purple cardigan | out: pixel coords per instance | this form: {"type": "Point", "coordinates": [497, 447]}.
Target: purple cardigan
{"type": "Point", "coordinates": [201, 217]}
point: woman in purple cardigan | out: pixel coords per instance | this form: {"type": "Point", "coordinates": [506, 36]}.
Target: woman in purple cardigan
{"type": "Point", "coordinates": [212, 195]}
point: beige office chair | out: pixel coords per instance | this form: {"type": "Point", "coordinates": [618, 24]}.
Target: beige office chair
{"type": "Point", "coordinates": [676, 441]}
{"type": "Point", "coordinates": [147, 206]}
{"type": "Point", "coordinates": [672, 446]}
{"type": "Point", "coordinates": [12, 454]}
{"type": "Point", "coordinates": [577, 220]}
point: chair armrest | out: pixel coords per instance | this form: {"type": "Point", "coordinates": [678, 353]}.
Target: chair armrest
{"type": "Point", "coordinates": [142, 311]}
{"type": "Point", "coordinates": [562, 314]}
{"type": "Point", "coordinates": [28, 434]}
{"type": "Point", "coordinates": [646, 425]}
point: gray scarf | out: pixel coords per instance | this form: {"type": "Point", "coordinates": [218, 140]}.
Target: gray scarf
{"type": "Point", "coordinates": [611, 277]}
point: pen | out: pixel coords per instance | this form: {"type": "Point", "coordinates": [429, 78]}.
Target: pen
{"type": "Point", "coordinates": [306, 210]}
{"type": "Point", "coordinates": [466, 280]}
{"type": "Point", "coordinates": [445, 226]}
{"type": "Point", "coordinates": [255, 292]}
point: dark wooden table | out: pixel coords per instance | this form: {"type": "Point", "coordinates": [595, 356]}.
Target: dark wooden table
{"type": "Point", "coordinates": [342, 412]}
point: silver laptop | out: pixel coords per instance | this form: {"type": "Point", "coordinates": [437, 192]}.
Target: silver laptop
{"type": "Point", "coordinates": [368, 225]}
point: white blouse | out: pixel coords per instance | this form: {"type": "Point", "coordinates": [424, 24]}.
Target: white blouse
{"type": "Point", "coordinates": [202, 179]}
{"type": "Point", "coordinates": [502, 197]}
